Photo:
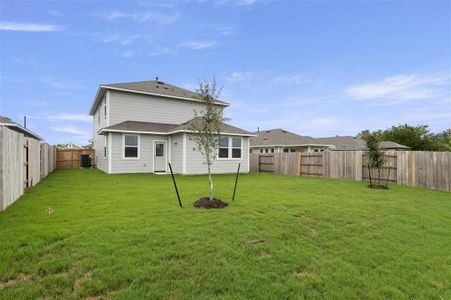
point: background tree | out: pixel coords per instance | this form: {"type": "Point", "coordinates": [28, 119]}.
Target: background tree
{"type": "Point", "coordinates": [207, 126]}
{"type": "Point", "coordinates": [376, 157]}
{"type": "Point", "coordinates": [418, 137]}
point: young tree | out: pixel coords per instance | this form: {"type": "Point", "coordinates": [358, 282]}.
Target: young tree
{"type": "Point", "coordinates": [207, 125]}
{"type": "Point", "coordinates": [376, 157]}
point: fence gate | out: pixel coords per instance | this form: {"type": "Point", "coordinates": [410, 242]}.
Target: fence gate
{"type": "Point", "coordinates": [266, 163]}
{"type": "Point", "coordinates": [311, 165]}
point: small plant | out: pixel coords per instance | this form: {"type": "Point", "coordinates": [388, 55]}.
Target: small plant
{"type": "Point", "coordinates": [376, 158]}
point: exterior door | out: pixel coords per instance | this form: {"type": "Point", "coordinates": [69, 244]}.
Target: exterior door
{"type": "Point", "coordinates": [159, 158]}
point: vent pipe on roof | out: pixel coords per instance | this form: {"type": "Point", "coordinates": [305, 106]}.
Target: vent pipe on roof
{"type": "Point", "coordinates": [258, 129]}
{"type": "Point", "coordinates": [156, 78]}
{"type": "Point", "coordinates": [25, 121]}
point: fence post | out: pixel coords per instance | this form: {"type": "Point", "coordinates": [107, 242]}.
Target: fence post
{"type": "Point", "coordinates": [298, 164]}
{"type": "Point", "coordinates": [414, 168]}
{"type": "Point", "coordinates": [358, 165]}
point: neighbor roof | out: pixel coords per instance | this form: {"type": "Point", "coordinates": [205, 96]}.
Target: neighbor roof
{"type": "Point", "coordinates": [149, 87]}
{"type": "Point", "coordinates": [163, 128]}
{"type": "Point", "coordinates": [392, 145]}
{"type": "Point", "coordinates": [280, 137]}
{"type": "Point", "coordinates": [343, 143]}
{"type": "Point", "coordinates": [4, 121]}
{"type": "Point", "coordinates": [350, 143]}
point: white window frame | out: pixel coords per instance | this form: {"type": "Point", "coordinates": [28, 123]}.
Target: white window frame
{"type": "Point", "coordinates": [230, 147]}
{"type": "Point", "coordinates": [105, 147]}
{"type": "Point", "coordinates": [123, 146]}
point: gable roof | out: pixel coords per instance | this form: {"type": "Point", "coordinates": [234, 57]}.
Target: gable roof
{"type": "Point", "coordinates": [343, 143]}
{"type": "Point", "coordinates": [350, 143]}
{"type": "Point", "coordinates": [149, 87]}
{"type": "Point", "coordinates": [165, 129]}
{"type": "Point", "coordinates": [280, 137]}
{"type": "Point", "coordinates": [392, 145]}
{"type": "Point", "coordinates": [4, 121]}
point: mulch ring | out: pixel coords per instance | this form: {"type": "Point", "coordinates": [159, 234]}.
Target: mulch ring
{"type": "Point", "coordinates": [380, 187]}
{"type": "Point", "coordinates": [207, 203]}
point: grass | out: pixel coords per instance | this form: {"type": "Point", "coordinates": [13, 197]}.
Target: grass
{"type": "Point", "coordinates": [124, 237]}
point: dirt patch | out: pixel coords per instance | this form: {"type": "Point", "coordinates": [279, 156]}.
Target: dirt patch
{"type": "Point", "coordinates": [265, 254]}
{"type": "Point", "coordinates": [378, 187]}
{"type": "Point", "coordinates": [20, 277]}
{"type": "Point", "coordinates": [79, 280]}
{"type": "Point", "coordinates": [255, 242]}
{"type": "Point", "coordinates": [313, 232]}
{"type": "Point", "coordinates": [207, 203]}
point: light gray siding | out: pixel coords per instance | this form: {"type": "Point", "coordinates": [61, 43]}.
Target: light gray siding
{"type": "Point", "coordinates": [195, 163]}
{"type": "Point", "coordinates": [146, 149]}
{"type": "Point", "coordinates": [177, 152]}
{"type": "Point", "coordinates": [147, 108]}
{"type": "Point", "coordinates": [100, 121]}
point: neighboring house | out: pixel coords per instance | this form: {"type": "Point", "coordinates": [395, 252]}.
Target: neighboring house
{"type": "Point", "coordinates": [140, 127]}
{"type": "Point", "coordinates": [68, 146]}
{"type": "Point", "coordinates": [7, 122]}
{"type": "Point", "coordinates": [279, 140]}
{"type": "Point", "coordinates": [343, 143]}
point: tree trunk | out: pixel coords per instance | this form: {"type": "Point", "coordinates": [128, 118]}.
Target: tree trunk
{"type": "Point", "coordinates": [210, 181]}
{"type": "Point", "coordinates": [378, 176]}
{"type": "Point", "coordinates": [369, 175]}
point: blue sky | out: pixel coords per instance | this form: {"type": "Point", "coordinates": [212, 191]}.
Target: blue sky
{"type": "Point", "coordinates": [319, 68]}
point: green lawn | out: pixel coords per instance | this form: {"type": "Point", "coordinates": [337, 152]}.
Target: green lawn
{"type": "Point", "coordinates": [124, 236]}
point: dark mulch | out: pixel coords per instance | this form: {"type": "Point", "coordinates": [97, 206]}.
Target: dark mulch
{"type": "Point", "coordinates": [380, 187]}
{"type": "Point", "coordinates": [207, 203]}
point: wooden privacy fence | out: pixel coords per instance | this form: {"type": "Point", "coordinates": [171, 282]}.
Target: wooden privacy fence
{"type": "Point", "coordinates": [430, 170]}
{"type": "Point", "coordinates": [71, 158]}
{"type": "Point", "coordinates": [23, 163]}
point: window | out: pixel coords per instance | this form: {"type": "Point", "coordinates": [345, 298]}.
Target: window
{"type": "Point", "coordinates": [272, 150]}
{"type": "Point", "coordinates": [285, 150]}
{"type": "Point", "coordinates": [266, 150]}
{"type": "Point", "coordinates": [236, 147]}
{"type": "Point", "coordinates": [104, 111]}
{"type": "Point", "coordinates": [261, 150]}
{"type": "Point", "coordinates": [230, 147]}
{"type": "Point", "coordinates": [316, 150]}
{"type": "Point", "coordinates": [223, 147]}
{"type": "Point", "coordinates": [292, 150]}
{"type": "Point", "coordinates": [131, 146]}
{"type": "Point", "coordinates": [105, 146]}
{"type": "Point", "coordinates": [159, 150]}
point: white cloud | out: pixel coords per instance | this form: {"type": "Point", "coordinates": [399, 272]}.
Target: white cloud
{"type": "Point", "coordinates": [70, 117]}
{"type": "Point", "coordinates": [10, 79]}
{"type": "Point", "coordinates": [62, 85]}
{"type": "Point", "coordinates": [54, 13]}
{"type": "Point", "coordinates": [29, 27]}
{"type": "Point", "coordinates": [71, 130]}
{"type": "Point", "coordinates": [160, 51]}
{"type": "Point", "coordinates": [120, 39]}
{"type": "Point", "coordinates": [128, 54]}
{"type": "Point", "coordinates": [236, 2]}
{"type": "Point", "coordinates": [225, 30]}
{"type": "Point", "coordinates": [199, 45]}
{"type": "Point", "coordinates": [240, 76]}
{"type": "Point", "coordinates": [293, 79]}
{"type": "Point", "coordinates": [23, 60]}
{"type": "Point", "coordinates": [159, 18]}
{"type": "Point", "coordinates": [402, 88]}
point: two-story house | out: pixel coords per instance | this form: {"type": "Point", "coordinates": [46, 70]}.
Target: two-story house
{"type": "Point", "coordinates": [140, 127]}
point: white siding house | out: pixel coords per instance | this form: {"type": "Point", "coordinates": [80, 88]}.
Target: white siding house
{"type": "Point", "coordinates": [140, 127]}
